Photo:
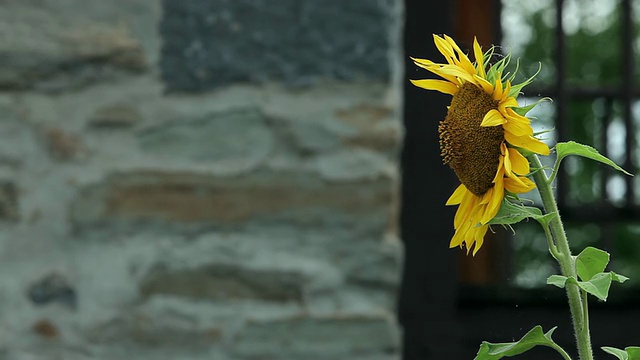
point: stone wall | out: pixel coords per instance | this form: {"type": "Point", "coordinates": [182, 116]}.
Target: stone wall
{"type": "Point", "coordinates": [199, 179]}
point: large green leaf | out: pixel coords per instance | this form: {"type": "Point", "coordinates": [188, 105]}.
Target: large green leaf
{"type": "Point", "coordinates": [590, 262]}
{"type": "Point", "coordinates": [634, 352]}
{"type": "Point", "coordinates": [557, 280]}
{"type": "Point", "coordinates": [565, 149]}
{"type": "Point", "coordinates": [534, 337]}
{"type": "Point", "coordinates": [619, 278]}
{"type": "Point", "coordinates": [629, 353]}
{"type": "Point", "coordinates": [598, 285]}
{"type": "Point", "coordinates": [620, 354]}
{"type": "Point", "coordinates": [511, 213]}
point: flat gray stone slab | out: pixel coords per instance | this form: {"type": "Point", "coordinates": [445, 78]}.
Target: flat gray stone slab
{"type": "Point", "coordinates": [208, 44]}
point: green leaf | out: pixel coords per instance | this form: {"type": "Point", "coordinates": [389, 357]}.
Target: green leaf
{"type": "Point", "coordinates": [591, 261]}
{"type": "Point", "coordinates": [534, 337]}
{"type": "Point", "coordinates": [573, 148]}
{"type": "Point", "coordinates": [629, 353]}
{"type": "Point", "coordinates": [597, 286]}
{"type": "Point", "coordinates": [557, 280]}
{"type": "Point", "coordinates": [619, 278]}
{"type": "Point", "coordinates": [620, 354]}
{"type": "Point", "coordinates": [634, 352]}
{"type": "Point", "coordinates": [523, 110]}
{"type": "Point", "coordinates": [511, 213]}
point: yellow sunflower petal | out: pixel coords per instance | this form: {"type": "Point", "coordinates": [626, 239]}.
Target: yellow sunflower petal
{"type": "Point", "coordinates": [496, 199]}
{"type": "Point", "coordinates": [507, 88]}
{"type": "Point", "coordinates": [436, 70]}
{"type": "Point", "coordinates": [517, 124]}
{"type": "Point", "coordinates": [423, 63]}
{"type": "Point", "coordinates": [493, 118]}
{"type": "Point", "coordinates": [463, 213]}
{"type": "Point", "coordinates": [477, 53]}
{"type": "Point", "coordinates": [463, 59]}
{"type": "Point", "coordinates": [484, 84]}
{"type": "Point", "coordinates": [527, 142]}
{"type": "Point", "coordinates": [479, 238]}
{"type": "Point", "coordinates": [458, 72]}
{"type": "Point", "coordinates": [460, 233]}
{"type": "Point", "coordinates": [508, 169]}
{"type": "Point", "coordinates": [520, 186]}
{"type": "Point", "coordinates": [445, 48]}
{"type": "Point", "coordinates": [457, 195]}
{"type": "Point", "coordinates": [442, 86]}
{"type": "Point", "coordinates": [500, 171]}
{"type": "Point", "coordinates": [456, 240]}
{"type": "Point", "coordinates": [519, 163]}
{"type": "Point", "coordinates": [507, 102]}
{"type": "Point", "coordinates": [497, 89]}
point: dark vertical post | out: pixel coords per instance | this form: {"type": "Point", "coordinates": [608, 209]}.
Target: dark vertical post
{"type": "Point", "coordinates": [428, 292]}
{"type": "Point", "coordinates": [481, 19]}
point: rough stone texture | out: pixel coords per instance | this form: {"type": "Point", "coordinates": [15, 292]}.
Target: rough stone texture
{"type": "Point", "coordinates": [226, 201]}
{"type": "Point", "coordinates": [238, 138]}
{"type": "Point", "coordinates": [8, 201]}
{"type": "Point", "coordinates": [52, 45]}
{"type": "Point", "coordinates": [139, 223]}
{"type": "Point", "coordinates": [337, 337]}
{"type": "Point", "coordinates": [291, 41]}
{"type": "Point", "coordinates": [115, 116]}
{"type": "Point", "coordinates": [224, 282]}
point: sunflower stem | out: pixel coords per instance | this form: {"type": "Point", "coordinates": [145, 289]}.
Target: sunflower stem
{"type": "Point", "coordinates": [577, 304]}
{"type": "Point", "coordinates": [553, 249]}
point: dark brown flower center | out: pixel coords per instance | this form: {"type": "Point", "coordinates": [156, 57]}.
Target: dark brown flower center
{"type": "Point", "coordinates": [472, 151]}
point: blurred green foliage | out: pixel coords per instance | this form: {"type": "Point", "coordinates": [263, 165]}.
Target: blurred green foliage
{"type": "Point", "coordinates": [594, 59]}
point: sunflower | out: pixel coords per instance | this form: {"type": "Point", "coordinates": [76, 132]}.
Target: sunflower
{"type": "Point", "coordinates": [483, 136]}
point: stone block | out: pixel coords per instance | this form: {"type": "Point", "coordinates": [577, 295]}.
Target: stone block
{"type": "Point", "coordinates": [236, 139]}
{"type": "Point", "coordinates": [115, 116]}
{"type": "Point", "coordinates": [328, 337]}
{"type": "Point", "coordinates": [208, 44]}
{"type": "Point", "coordinates": [224, 282]}
{"type": "Point", "coordinates": [64, 146]}
{"type": "Point", "coordinates": [300, 199]}
{"type": "Point", "coordinates": [9, 209]}
{"type": "Point", "coordinates": [377, 127]}
{"type": "Point", "coordinates": [171, 332]}
{"type": "Point", "coordinates": [53, 288]}
{"type": "Point", "coordinates": [53, 46]}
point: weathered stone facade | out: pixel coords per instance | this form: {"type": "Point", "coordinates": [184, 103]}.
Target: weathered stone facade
{"type": "Point", "coordinates": [199, 179]}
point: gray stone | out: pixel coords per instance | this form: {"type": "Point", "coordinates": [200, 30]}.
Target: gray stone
{"type": "Point", "coordinates": [115, 116]}
{"type": "Point", "coordinates": [380, 269]}
{"type": "Point", "coordinates": [329, 337]}
{"type": "Point", "coordinates": [224, 282]}
{"type": "Point", "coordinates": [296, 41]}
{"type": "Point", "coordinates": [46, 352]}
{"type": "Point", "coordinates": [312, 137]}
{"type": "Point", "coordinates": [236, 139]}
{"type": "Point", "coordinates": [46, 46]}
{"type": "Point", "coordinates": [165, 331]}
{"type": "Point", "coordinates": [354, 164]}
{"type": "Point", "coordinates": [377, 127]}
{"type": "Point", "coordinates": [18, 138]}
{"type": "Point", "coordinates": [298, 199]}
{"type": "Point", "coordinates": [53, 288]}
{"type": "Point", "coordinates": [64, 146]}
{"type": "Point", "coordinates": [9, 207]}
